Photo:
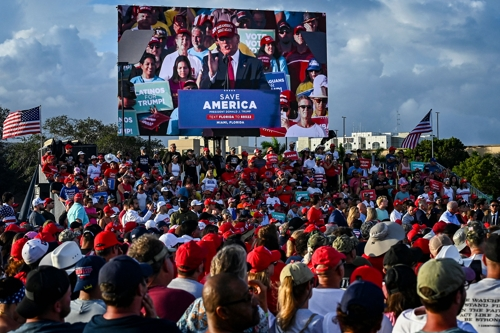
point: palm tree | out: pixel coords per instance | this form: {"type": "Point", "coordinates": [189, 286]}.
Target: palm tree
{"type": "Point", "coordinates": [279, 148]}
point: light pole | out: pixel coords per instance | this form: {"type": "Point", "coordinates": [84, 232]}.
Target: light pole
{"type": "Point", "coordinates": [437, 125]}
{"type": "Point", "coordinates": [343, 134]}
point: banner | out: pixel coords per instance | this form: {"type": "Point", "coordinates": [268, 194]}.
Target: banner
{"type": "Point", "coordinates": [291, 155]}
{"type": "Point", "coordinates": [277, 81]}
{"type": "Point", "coordinates": [101, 194]}
{"type": "Point", "coordinates": [435, 185]}
{"type": "Point", "coordinates": [279, 216]}
{"type": "Point", "coordinates": [153, 94]}
{"type": "Point", "coordinates": [365, 163]}
{"type": "Point", "coordinates": [228, 109]}
{"type": "Point", "coordinates": [414, 165]}
{"type": "Point", "coordinates": [372, 193]}
{"type": "Point", "coordinates": [252, 37]}
{"type": "Point", "coordinates": [300, 194]}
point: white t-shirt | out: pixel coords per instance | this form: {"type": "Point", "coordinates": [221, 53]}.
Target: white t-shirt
{"type": "Point", "coordinates": [319, 170]}
{"type": "Point", "coordinates": [331, 327]}
{"type": "Point", "coordinates": [395, 215]}
{"type": "Point", "coordinates": [162, 217]}
{"type": "Point", "coordinates": [409, 322]}
{"type": "Point", "coordinates": [309, 164]}
{"type": "Point", "coordinates": [209, 184]}
{"type": "Point", "coordinates": [314, 190]}
{"type": "Point", "coordinates": [482, 306]}
{"type": "Point", "coordinates": [325, 300]}
{"type": "Point", "coordinates": [167, 67]}
{"type": "Point", "coordinates": [141, 199]}
{"type": "Point", "coordinates": [272, 201]}
{"type": "Point", "coordinates": [315, 131]}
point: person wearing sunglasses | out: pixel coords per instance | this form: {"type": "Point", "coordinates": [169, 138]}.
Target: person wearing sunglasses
{"type": "Point", "coordinates": [305, 127]}
{"type": "Point", "coordinates": [493, 216]}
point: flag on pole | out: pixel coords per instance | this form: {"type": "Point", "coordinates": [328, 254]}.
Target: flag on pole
{"type": "Point", "coordinates": [424, 126]}
{"type": "Point", "coordinates": [21, 123]}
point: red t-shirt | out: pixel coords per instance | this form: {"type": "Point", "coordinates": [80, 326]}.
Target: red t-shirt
{"type": "Point", "coordinates": [266, 173]}
{"type": "Point", "coordinates": [285, 197]}
{"type": "Point", "coordinates": [170, 303]}
{"type": "Point", "coordinates": [314, 215]}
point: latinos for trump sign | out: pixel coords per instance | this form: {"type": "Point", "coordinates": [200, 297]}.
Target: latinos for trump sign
{"type": "Point", "coordinates": [153, 94]}
{"type": "Point", "coordinates": [228, 108]}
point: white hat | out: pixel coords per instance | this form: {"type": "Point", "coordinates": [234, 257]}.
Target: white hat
{"type": "Point", "coordinates": [150, 224]}
{"type": "Point", "coordinates": [65, 256]}
{"type": "Point", "coordinates": [292, 180]}
{"type": "Point", "coordinates": [202, 225]}
{"type": "Point", "coordinates": [196, 203]}
{"type": "Point", "coordinates": [159, 205]}
{"type": "Point", "coordinates": [450, 251]}
{"type": "Point", "coordinates": [164, 189]}
{"type": "Point", "coordinates": [171, 240]}
{"type": "Point", "coordinates": [37, 201]}
{"type": "Point", "coordinates": [93, 157]}
{"type": "Point", "coordinates": [109, 158]}
{"type": "Point", "coordinates": [81, 153]}
{"type": "Point", "coordinates": [33, 250]}
{"type": "Point", "coordinates": [348, 151]}
{"type": "Point", "coordinates": [320, 86]}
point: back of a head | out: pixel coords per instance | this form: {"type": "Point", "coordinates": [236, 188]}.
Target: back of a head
{"type": "Point", "coordinates": [186, 228]}
{"type": "Point", "coordinates": [231, 259]}
{"type": "Point", "coordinates": [149, 249]}
{"type": "Point", "coordinates": [218, 290]}
{"type": "Point", "coordinates": [268, 237]}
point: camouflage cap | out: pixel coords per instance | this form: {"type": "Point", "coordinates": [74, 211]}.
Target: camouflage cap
{"type": "Point", "coordinates": [316, 240]}
{"type": "Point", "coordinates": [365, 228]}
{"type": "Point", "coordinates": [345, 244]}
{"type": "Point", "coordinates": [475, 231]}
{"type": "Point", "coordinates": [66, 235]}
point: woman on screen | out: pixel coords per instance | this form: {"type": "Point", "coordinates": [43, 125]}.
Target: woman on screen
{"type": "Point", "coordinates": [306, 87]}
{"type": "Point", "coordinates": [305, 127]}
{"type": "Point", "coordinates": [181, 74]}
{"type": "Point", "coordinates": [268, 47]}
{"type": "Point", "coordinates": [148, 66]}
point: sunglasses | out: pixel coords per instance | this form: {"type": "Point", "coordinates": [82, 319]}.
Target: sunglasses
{"type": "Point", "coordinates": [284, 108]}
{"type": "Point", "coordinates": [154, 46]}
{"type": "Point", "coordinates": [309, 107]}
{"type": "Point", "coordinates": [284, 31]}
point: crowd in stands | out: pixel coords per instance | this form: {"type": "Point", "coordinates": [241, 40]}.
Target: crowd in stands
{"type": "Point", "coordinates": [239, 243]}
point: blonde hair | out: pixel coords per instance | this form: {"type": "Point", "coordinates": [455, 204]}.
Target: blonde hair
{"type": "Point", "coordinates": [352, 215]}
{"type": "Point", "coordinates": [371, 214]}
{"type": "Point", "coordinates": [260, 276]}
{"type": "Point", "coordinates": [290, 246]}
{"type": "Point", "coordinates": [231, 259]}
{"type": "Point", "coordinates": [380, 199]}
{"type": "Point", "coordinates": [290, 299]}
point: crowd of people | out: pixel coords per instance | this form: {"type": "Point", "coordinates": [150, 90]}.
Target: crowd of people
{"type": "Point", "coordinates": [202, 49]}
{"type": "Point", "coordinates": [240, 243]}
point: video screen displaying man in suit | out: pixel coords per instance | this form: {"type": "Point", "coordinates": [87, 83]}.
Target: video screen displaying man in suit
{"type": "Point", "coordinates": [228, 68]}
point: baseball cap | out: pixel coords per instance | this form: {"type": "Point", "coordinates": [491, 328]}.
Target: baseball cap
{"type": "Point", "coordinates": [115, 271]}
{"type": "Point", "coordinates": [459, 239]}
{"type": "Point", "coordinates": [313, 65]}
{"type": "Point", "coordinates": [345, 244]}
{"type": "Point", "coordinates": [437, 242]}
{"type": "Point", "coordinates": [44, 286]}
{"type": "Point", "coordinates": [87, 272]}
{"type": "Point", "coordinates": [475, 231]}
{"type": "Point", "coordinates": [224, 29]}
{"type": "Point", "coordinates": [171, 240]}
{"type": "Point", "coordinates": [189, 256]}
{"type": "Point", "coordinates": [283, 25]}
{"type": "Point", "coordinates": [37, 201]}
{"type": "Point", "coordinates": [326, 256]}
{"type": "Point", "coordinates": [64, 257]}
{"type": "Point", "coordinates": [298, 28]}
{"type": "Point", "coordinates": [47, 201]}
{"type": "Point", "coordinates": [442, 276]}
{"type": "Point", "coordinates": [150, 224]}
{"type": "Point", "coordinates": [105, 239]}
{"type": "Point", "coordinates": [298, 271]}
{"type": "Point", "coordinates": [266, 40]}
{"type": "Point", "coordinates": [198, 203]}
{"type": "Point", "coordinates": [285, 97]}
{"type": "Point", "coordinates": [34, 250]}
{"type": "Point", "coordinates": [365, 295]}
{"type": "Point", "coordinates": [137, 232]}
{"type": "Point", "coordinates": [260, 258]}
{"type": "Point", "coordinates": [367, 273]}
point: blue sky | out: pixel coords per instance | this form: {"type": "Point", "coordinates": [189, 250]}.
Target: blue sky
{"type": "Point", "coordinates": [384, 57]}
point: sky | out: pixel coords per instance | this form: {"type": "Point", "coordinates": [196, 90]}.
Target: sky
{"type": "Point", "coordinates": [385, 57]}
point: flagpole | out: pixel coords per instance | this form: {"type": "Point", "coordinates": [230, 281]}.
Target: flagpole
{"type": "Point", "coordinates": [41, 130]}
{"type": "Point", "coordinates": [432, 135]}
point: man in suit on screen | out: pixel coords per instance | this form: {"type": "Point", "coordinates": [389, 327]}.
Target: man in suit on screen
{"type": "Point", "coordinates": [229, 68]}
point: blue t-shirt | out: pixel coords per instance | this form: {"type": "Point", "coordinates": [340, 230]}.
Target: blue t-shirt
{"type": "Point", "coordinates": [199, 55]}
{"type": "Point", "coordinates": [68, 192]}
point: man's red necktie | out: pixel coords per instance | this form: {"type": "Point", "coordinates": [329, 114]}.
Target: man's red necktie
{"type": "Point", "coordinates": [230, 72]}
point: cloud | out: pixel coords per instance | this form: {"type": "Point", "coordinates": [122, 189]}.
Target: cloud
{"type": "Point", "coordinates": [385, 56]}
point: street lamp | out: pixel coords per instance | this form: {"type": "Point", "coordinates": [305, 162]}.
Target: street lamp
{"type": "Point", "coordinates": [437, 125]}
{"type": "Point", "coordinates": [343, 121]}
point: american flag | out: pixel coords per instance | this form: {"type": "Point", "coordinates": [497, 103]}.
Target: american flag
{"type": "Point", "coordinates": [21, 123]}
{"type": "Point", "coordinates": [424, 126]}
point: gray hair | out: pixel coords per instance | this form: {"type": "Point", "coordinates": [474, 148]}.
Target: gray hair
{"type": "Point", "coordinates": [231, 259]}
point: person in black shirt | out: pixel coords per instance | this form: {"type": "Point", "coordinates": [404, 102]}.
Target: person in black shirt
{"type": "Point", "coordinates": [67, 158]}
{"type": "Point", "coordinates": [167, 158]}
{"type": "Point", "coordinates": [123, 283]}
{"type": "Point", "coordinates": [57, 185]}
{"type": "Point", "coordinates": [220, 164]}
{"type": "Point", "coordinates": [190, 164]}
{"type": "Point", "coordinates": [232, 158]}
{"type": "Point", "coordinates": [48, 205]}
{"type": "Point", "coordinates": [382, 185]}
{"type": "Point", "coordinates": [205, 161]}
{"type": "Point", "coordinates": [143, 161]}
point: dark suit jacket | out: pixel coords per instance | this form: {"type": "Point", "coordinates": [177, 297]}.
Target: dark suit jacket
{"type": "Point", "coordinates": [339, 219]}
{"type": "Point", "coordinates": [249, 75]}
{"type": "Point", "coordinates": [422, 219]}
{"type": "Point", "coordinates": [488, 219]}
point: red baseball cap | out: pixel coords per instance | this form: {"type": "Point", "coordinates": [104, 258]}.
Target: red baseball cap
{"type": "Point", "coordinates": [256, 215]}
{"type": "Point", "coordinates": [78, 196]}
{"type": "Point", "coordinates": [113, 227]}
{"type": "Point", "coordinates": [260, 258]}
{"type": "Point", "coordinates": [68, 146]}
{"type": "Point", "coordinates": [108, 210]}
{"type": "Point", "coordinates": [285, 97]}
{"type": "Point", "coordinates": [105, 239]}
{"type": "Point", "coordinates": [224, 29]}
{"type": "Point", "coordinates": [422, 244]}
{"type": "Point", "coordinates": [189, 256]}
{"type": "Point", "coordinates": [51, 228]}
{"type": "Point", "coordinates": [327, 256]}
{"type": "Point", "coordinates": [225, 227]}
{"type": "Point", "coordinates": [367, 273]}
{"type": "Point", "coordinates": [17, 248]}
{"type": "Point", "coordinates": [46, 201]}
{"type": "Point", "coordinates": [439, 227]}
{"type": "Point", "coordinates": [298, 28]}
{"type": "Point", "coordinates": [266, 40]}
